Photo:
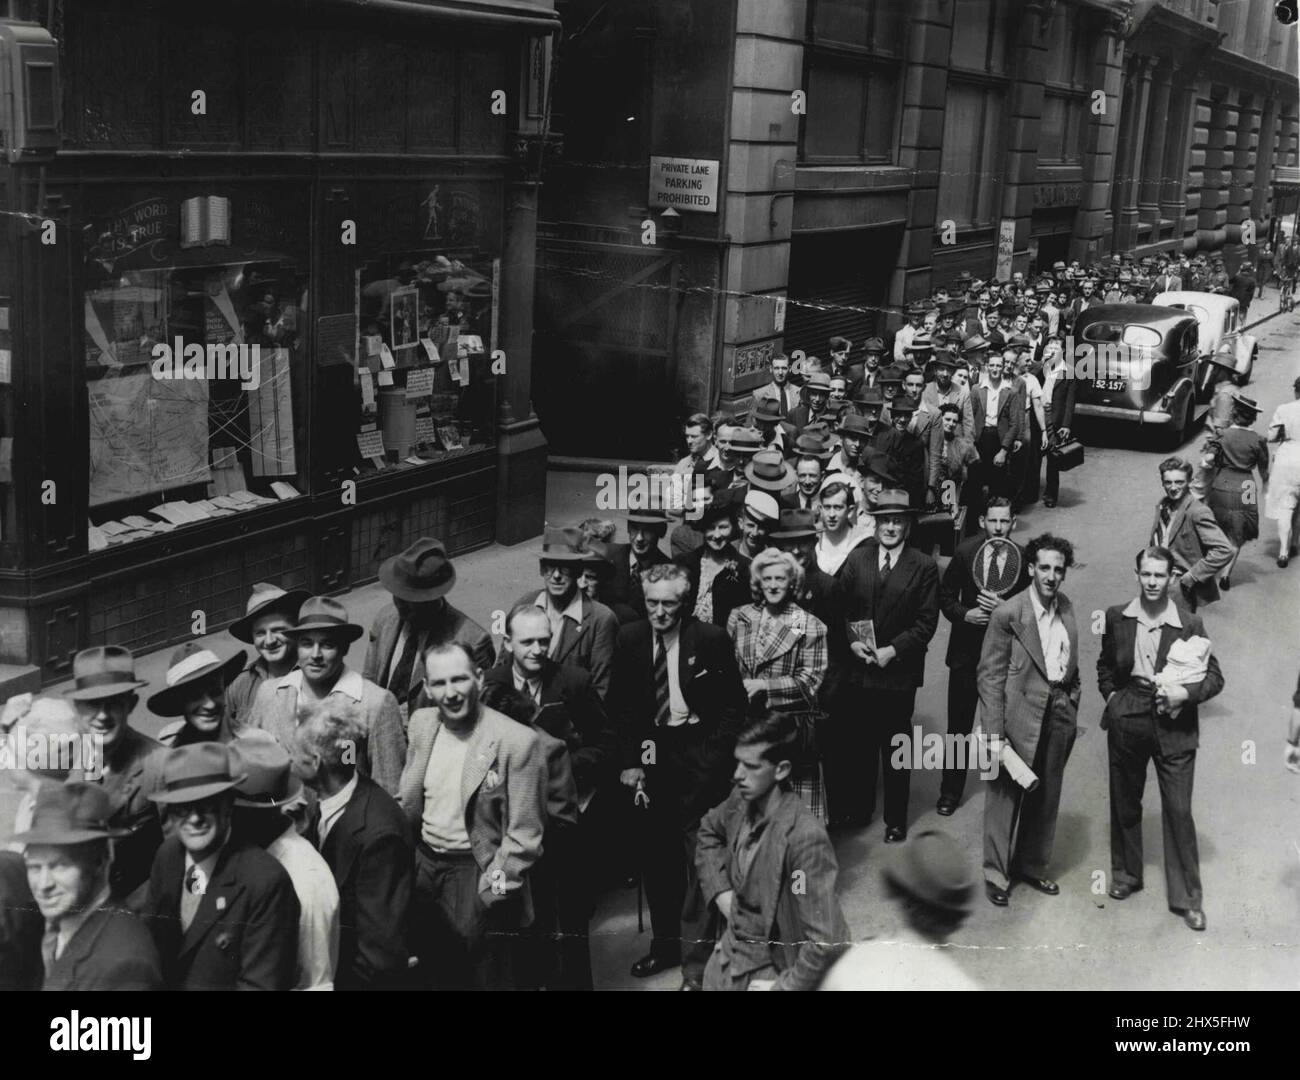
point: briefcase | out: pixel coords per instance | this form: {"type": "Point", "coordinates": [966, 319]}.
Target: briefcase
{"type": "Point", "coordinates": [942, 527]}
{"type": "Point", "coordinates": [1068, 455]}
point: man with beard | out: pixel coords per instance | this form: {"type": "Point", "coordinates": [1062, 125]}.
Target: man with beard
{"type": "Point", "coordinates": [420, 615]}
{"type": "Point", "coordinates": [104, 694]}
{"type": "Point", "coordinates": [677, 700]}
{"type": "Point", "coordinates": [223, 913]}
{"type": "Point", "coordinates": [89, 944]}
{"type": "Point", "coordinates": [474, 791]}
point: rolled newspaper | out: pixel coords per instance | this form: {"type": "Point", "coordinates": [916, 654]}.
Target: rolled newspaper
{"type": "Point", "coordinates": [1016, 768]}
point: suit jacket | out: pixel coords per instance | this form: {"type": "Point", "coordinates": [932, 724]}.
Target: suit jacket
{"type": "Point", "coordinates": [1013, 683]}
{"type": "Point", "coordinates": [135, 775]}
{"type": "Point", "coordinates": [1059, 408]}
{"type": "Point", "coordinates": [504, 789]}
{"type": "Point", "coordinates": [111, 950]}
{"type": "Point", "coordinates": [454, 625]}
{"type": "Point", "coordinates": [1174, 734]}
{"type": "Point", "coordinates": [904, 611]}
{"type": "Point", "coordinates": [368, 850]}
{"type": "Point", "coordinates": [692, 773]}
{"type": "Point", "coordinates": [800, 417]}
{"type": "Point", "coordinates": [1201, 549]}
{"type": "Point", "coordinates": [590, 645]}
{"type": "Point", "coordinates": [909, 459]}
{"type": "Point", "coordinates": [245, 933]}
{"type": "Point", "coordinates": [623, 586]}
{"type": "Point", "coordinates": [21, 927]}
{"type": "Point", "coordinates": [1011, 412]}
{"type": "Point", "coordinates": [805, 928]}
{"type": "Point", "coordinates": [952, 461]}
{"type": "Point", "coordinates": [958, 594]}
{"type": "Point", "coordinates": [772, 391]}
{"type": "Point", "coordinates": [793, 660]}
{"type": "Point", "coordinates": [276, 711]}
{"type": "Point", "coordinates": [574, 713]}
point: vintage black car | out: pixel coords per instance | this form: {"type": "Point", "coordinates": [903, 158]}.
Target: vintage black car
{"type": "Point", "coordinates": [1139, 364]}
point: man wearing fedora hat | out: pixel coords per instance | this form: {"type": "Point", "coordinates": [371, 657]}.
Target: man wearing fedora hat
{"type": "Point", "coordinates": [583, 631]}
{"type": "Point", "coordinates": [419, 580]}
{"type": "Point", "coordinates": [89, 944]}
{"type": "Point", "coordinates": [474, 792]}
{"type": "Point", "coordinates": [896, 587]}
{"type": "Point", "coordinates": [930, 886]}
{"type": "Point", "coordinates": [196, 691]}
{"type": "Point", "coordinates": [783, 394]}
{"type": "Point", "coordinates": [769, 471]}
{"type": "Point", "coordinates": [645, 528]}
{"type": "Point", "coordinates": [261, 801]}
{"type": "Point", "coordinates": [594, 574]}
{"type": "Point", "coordinates": [321, 637]}
{"type": "Point", "coordinates": [915, 320]}
{"type": "Point", "coordinates": [104, 695]}
{"type": "Point", "coordinates": [364, 838]}
{"type": "Point", "coordinates": [778, 433]}
{"type": "Point", "coordinates": [810, 465]}
{"type": "Point", "coordinates": [816, 392]}
{"type": "Point", "coordinates": [271, 610]}
{"type": "Point", "coordinates": [49, 724]}
{"type": "Point", "coordinates": [223, 912]}
{"type": "Point", "coordinates": [751, 846]}
{"type": "Point", "coordinates": [909, 458]}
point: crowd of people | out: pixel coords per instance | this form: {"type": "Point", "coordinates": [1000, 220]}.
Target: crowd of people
{"type": "Point", "coordinates": [693, 708]}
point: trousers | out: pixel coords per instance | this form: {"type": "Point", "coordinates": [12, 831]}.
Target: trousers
{"type": "Point", "coordinates": [462, 943]}
{"type": "Point", "coordinates": [963, 697]}
{"type": "Point", "coordinates": [1028, 820]}
{"type": "Point", "coordinates": [1132, 742]}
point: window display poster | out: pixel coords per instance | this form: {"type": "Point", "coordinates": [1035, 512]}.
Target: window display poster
{"type": "Point", "coordinates": [146, 435]}
{"type": "Point", "coordinates": [270, 418]}
{"type": "Point", "coordinates": [404, 306]}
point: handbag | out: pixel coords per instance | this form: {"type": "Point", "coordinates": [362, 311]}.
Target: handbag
{"type": "Point", "coordinates": [1067, 455]}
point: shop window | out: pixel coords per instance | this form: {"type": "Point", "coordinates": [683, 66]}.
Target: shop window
{"type": "Point", "coordinates": [1066, 91]}
{"type": "Point", "coordinates": [424, 381]}
{"type": "Point", "coordinates": [852, 77]}
{"type": "Point", "coordinates": [193, 376]}
{"type": "Point", "coordinates": [969, 181]}
{"type": "Point", "coordinates": [1061, 137]}
{"type": "Point", "coordinates": [979, 36]}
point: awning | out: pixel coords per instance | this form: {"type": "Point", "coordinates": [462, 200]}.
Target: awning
{"type": "Point", "coordinates": [1286, 175]}
{"type": "Point", "coordinates": [528, 14]}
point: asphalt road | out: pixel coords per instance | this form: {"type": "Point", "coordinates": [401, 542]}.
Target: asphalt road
{"type": "Point", "coordinates": [1245, 802]}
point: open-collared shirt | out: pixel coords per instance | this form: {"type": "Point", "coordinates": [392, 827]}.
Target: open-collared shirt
{"type": "Point", "coordinates": [332, 807]}
{"type": "Point", "coordinates": [557, 617]}
{"type": "Point", "coordinates": [1146, 639]}
{"type": "Point", "coordinates": [1052, 636]}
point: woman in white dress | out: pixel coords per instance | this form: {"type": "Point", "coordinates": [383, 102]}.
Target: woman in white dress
{"type": "Point", "coordinates": [1283, 500]}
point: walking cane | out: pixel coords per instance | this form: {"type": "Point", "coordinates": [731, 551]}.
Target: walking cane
{"type": "Point", "coordinates": [642, 800]}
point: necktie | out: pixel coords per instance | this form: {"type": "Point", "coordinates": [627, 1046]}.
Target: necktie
{"type": "Point", "coordinates": [889, 565]}
{"type": "Point", "coordinates": [50, 945]}
{"type": "Point", "coordinates": [399, 682]}
{"type": "Point", "coordinates": [662, 710]}
{"type": "Point", "coordinates": [191, 895]}
{"type": "Point", "coordinates": [1166, 514]}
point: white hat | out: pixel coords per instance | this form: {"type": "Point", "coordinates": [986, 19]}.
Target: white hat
{"type": "Point", "coordinates": [762, 506]}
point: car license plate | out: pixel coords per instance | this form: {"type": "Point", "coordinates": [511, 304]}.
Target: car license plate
{"type": "Point", "coordinates": [1110, 384]}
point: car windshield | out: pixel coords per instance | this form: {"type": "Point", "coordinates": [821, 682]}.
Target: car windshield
{"type": "Point", "coordinates": [1132, 334]}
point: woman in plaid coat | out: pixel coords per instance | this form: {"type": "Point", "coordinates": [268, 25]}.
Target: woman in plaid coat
{"type": "Point", "coordinates": [781, 651]}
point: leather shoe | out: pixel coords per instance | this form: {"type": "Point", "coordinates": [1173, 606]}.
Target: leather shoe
{"type": "Point", "coordinates": [1122, 890]}
{"type": "Point", "coordinates": [1225, 584]}
{"type": "Point", "coordinates": [1282, 561]}
{"type": "Point", "coordinates": [998, 897]}
{"type": "Point", "coordinates": [1042, 884]}
{"type": "Point", "coordinates": [1049, 503]}
{"type": "Point", "coordinates": [947, 804]}
{"type": "Point", "coordinates": [652, 965]}
{"type": "Point", "coordinates": [1195, 918]}
{"type": "Point", "coordinates": [895, 835]}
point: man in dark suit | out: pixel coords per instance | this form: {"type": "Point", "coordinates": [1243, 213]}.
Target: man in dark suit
{"type": "Point", "coordinates": [21, 927]}
{"type": "Point", "coordinates": [419, 617]}
{"type": "Point", "coordinates": [363, 836]}
{"type": "Point", "coordinates": [1186, 526]}
{"type": "Point", "coordinates": [841, 366]}
{"type": "Point", "coordinates": [998, 413]}
{"type": "Point", "coordinates": [816, 393]}
{"type": "Point", "coordinates": [88, 943]}
{"type": "Point", "coordinates": [582, 630]}
{"type": "Point", "coordinates": [967, 607]}
{"type": "Point", "coordinates": [645, 528]}
{"type": "Point", "coordinates": [224, 915]}
{"type": "Point", "coordinates": [104, 695]}
{"type": "Point", "coordinates": [897, 588]}
{"type": "Point", "coordinates": [780, 391]}
{"type": "Point", "coordinates": [677, 702]}
{"type": "Point", "coordinates": [1029, 695]}
{"type": "Point", "coordinates": [1146, 720]}
{"type": "Point", "coordinates": [1059, 390]}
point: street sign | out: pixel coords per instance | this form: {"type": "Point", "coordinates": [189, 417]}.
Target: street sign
{"type": "Point", "coordinates": [684, 184]}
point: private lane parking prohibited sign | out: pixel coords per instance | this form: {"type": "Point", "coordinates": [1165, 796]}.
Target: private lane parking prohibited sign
{"type": "Point", "coordinates": [684, 184]}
